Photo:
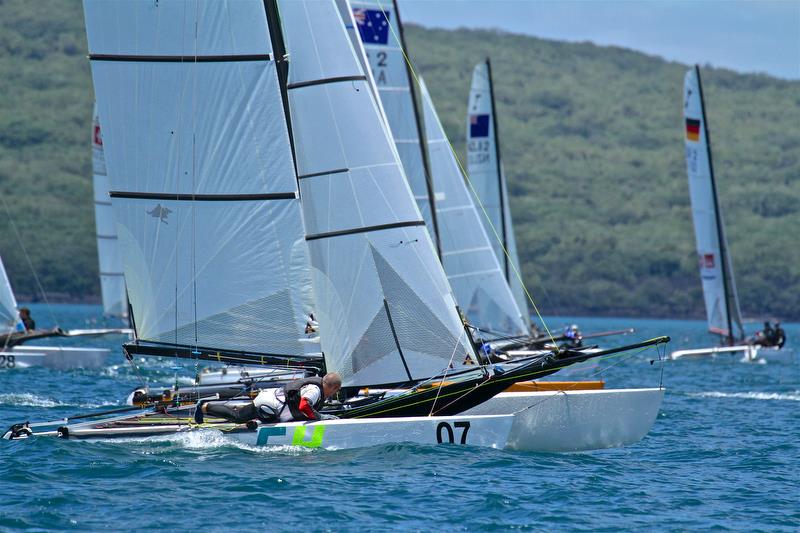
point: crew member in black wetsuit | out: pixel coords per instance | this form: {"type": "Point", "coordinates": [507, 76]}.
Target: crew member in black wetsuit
{"type": "Point", "coordinates": [780, 335]}
{"type": "Point", "coordinates": [300, 399]}
{"type": "Point", "coordinates": [27, 321]}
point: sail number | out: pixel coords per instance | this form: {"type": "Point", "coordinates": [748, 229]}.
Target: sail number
{"type": "Point", "coordinates": [445, 433]}
{"type": "Point", "coordinates": [8, 361]}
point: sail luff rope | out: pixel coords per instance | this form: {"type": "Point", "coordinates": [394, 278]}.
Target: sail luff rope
{"type": "Point", "coordinates": [472, 188]}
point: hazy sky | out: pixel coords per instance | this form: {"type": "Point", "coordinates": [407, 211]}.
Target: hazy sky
{"type": "Point", "coordinates": [747, 36]}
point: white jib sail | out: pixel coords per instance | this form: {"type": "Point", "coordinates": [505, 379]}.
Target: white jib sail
{"type": "Point", "coordinates": [487, 176]}
{"type": "Point", "coordinates": [709, 229]}
{"type": "Point", "coordinates": [378, 24]}
{"type": "Point", "coordinates": [9, 317]}
{"type": "Point", "coordinates": [467, 255]}
{"type": "Point", "coordinates": [112, 279]}
{"type": "Point", "coordinates": [203, 186]}
{"type": "Point", "coordinates": [385, 308]}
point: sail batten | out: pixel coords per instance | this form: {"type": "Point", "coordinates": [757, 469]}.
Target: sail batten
{"type": "Point", "coordinates": [716, 271]}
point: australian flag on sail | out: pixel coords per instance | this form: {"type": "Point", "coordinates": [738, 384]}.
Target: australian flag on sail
{"type": "Point", "coordinates": [478, 126]}
{"type": "Point", "coordinates": [373, 25]}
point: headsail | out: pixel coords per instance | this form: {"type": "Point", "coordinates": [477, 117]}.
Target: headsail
{"type": "Point", "coordinates": [467, 255]}
{"type": "Point", "coordinates": [486, 172]}
{"type": "Point", "coordinates": [112, 279]}
{"type": "Point", "coordinates": [378, 23]}
{"type": "Point", "coordinates": [385, 308]}
{"type": "Point", "coordinates": [716, 272]}
{"type": "Point", "coordinates": [9, 317]}
{"type": "Point", "coordinates": [200, 166]}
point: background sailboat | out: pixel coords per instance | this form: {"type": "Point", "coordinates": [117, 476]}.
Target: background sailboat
{"type": "Point", "coordinates": [112, 279]}
{"type": "Point", "coordinates": [15, 354]}
{"type": "Point", "coordinates": [716, 270]}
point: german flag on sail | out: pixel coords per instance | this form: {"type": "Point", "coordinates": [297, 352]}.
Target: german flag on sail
{"type": "Point", "coordinates": [693, 129]}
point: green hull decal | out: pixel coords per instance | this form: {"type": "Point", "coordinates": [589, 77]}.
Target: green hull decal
{"type": "Point", "coordinates": [264, 434]}
{"type": "Point", "coordinates": [299, 438]}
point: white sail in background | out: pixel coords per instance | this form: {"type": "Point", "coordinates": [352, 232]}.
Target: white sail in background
{"type": "Point", "coordinates": [112, 279]}
{"type": "Point", "coordinates": [467, 255]}
{"type": "Point", "coordinates": [486, 173]}
{"type": "Point", "coordinates": [200, 167]}
{"type": "Point", "coordinates": [378, 24]}
{"type": "Point", "coordinates": [719, 289]}
{"type": "Point", "coordinates": [9, 317]}
{"type": "Point", "coordinates": [385, 308]}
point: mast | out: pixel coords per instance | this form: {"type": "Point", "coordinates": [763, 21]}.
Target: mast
{"type": "Point", "coordinates": [420, 133]}
{"type": "Point", "coordinates": [717, 218]}
{"type": "Point", "coordinates": [500, 186]}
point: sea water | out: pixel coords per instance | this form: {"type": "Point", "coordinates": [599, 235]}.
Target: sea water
{"type": "Point", "coordinates": [724, 453]}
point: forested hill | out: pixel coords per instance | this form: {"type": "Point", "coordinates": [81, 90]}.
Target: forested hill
{"type": "Point", "coordinates": [592, 143]}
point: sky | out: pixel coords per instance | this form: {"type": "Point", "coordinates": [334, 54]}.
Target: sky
{"type": "Point", "coordinates": [742, 35]}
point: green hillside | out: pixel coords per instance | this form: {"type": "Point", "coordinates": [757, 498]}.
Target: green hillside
{"type": "Point", "coordinates": [592, 144]}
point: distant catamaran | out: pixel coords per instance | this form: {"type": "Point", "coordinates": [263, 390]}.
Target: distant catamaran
{"type": "Point", "coordinates": [716, 270]}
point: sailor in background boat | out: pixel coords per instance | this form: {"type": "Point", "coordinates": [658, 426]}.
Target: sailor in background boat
{"type": "Point", "coordinates": [27, 320]}
{"type": "Point", "coordinates": [573, 337]}
{"type": "Point", "coordinates": [770, 336]}
{"type": "Point", "coordinates": [298, 400]}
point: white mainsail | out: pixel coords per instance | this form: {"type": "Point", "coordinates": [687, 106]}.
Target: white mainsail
{"type": "Point", "coordinates": [200, 166]}
{"type": "Point", "coordinates": [486, 173]}
{"type": "Point", "coordinates": [385, 308]}
{"type": "Point", "coordinates": [378, 23]}
{"type": "Point", "coordinates": [9, 317]}
{"type": "Point", "coordinates": [112, 279]}
{"type": "Point", "coordinates": [716, 272]}
{"type": "Point", "coordinates": [467, 255]}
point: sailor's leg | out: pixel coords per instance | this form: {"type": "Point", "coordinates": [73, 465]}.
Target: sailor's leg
{"type": "Point", "coordinates": [239, 413]}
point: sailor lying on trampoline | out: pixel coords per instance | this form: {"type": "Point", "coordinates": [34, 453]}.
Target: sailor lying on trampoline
{"type": "Point", "coordinates": [298, 400]}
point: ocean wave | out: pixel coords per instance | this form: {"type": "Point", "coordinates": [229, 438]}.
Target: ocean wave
{"type": "Point", "coordinates": [208, 439]}
{"type": "Point", "coordinates": [785, 396]}
{"type": "Point", "coordinates": [31, 400]}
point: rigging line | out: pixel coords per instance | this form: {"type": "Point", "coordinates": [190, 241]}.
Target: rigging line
{"type": "Point", "coordinates": [517, 273]}
{"type": "Point", "coordinates": [28, 259]}
{"type": "Point", "coordinates": [448, 367]}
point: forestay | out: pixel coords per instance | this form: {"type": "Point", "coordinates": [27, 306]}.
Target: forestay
{"type": "Point", "coordinates": [112, 279]}
{"type": "Point", "coordinates": [9, 317]}
{"type": "Point", "coordinates": [385, 309]}
{"type": "Point", "coordinates": [486, 173]}
{"type": "Point", "coordinates": [200, 166]}
{"type": "Point", "coordinates": [719, 288]}
{"type": "Point", "coordinates": [378, 24]}
{"type": "Point", "coordinates": [467, 256]}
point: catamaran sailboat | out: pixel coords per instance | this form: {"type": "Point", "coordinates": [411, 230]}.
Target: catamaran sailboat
{"type": "Point", "coordinates": [240, 170]}
{"type": "Point", "coordinates": [716, 270]}
{"type": "Point", "coordinates": [15, 353]}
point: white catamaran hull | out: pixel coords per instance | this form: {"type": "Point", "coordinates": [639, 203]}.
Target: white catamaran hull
{"type": "Point", "coordinates": [745, 352]}
{"type": "Point", "coordinates": [569, 421]}
{"type": "Point", "coordinates": [55, 357]}
{"type": "Point", "coordinates": [488, 431]}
